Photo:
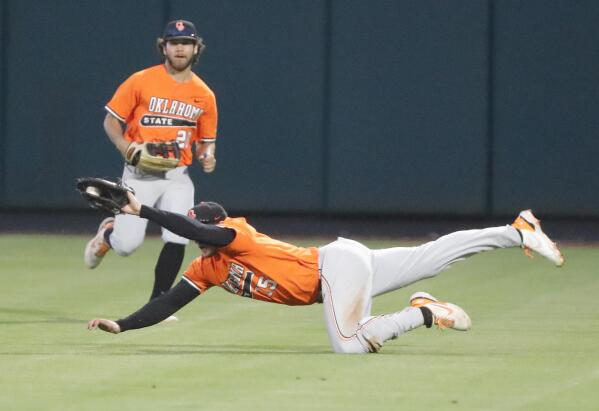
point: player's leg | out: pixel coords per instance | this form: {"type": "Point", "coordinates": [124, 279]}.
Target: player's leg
{"type": "Point", "coordinates": [424, 310]}
{"type": "Point", "coordinates": [124, 233]}
{"type": "Point", "coordinates": [346, 279]}
{"type": "Point", "coordinates": [177, 197]}
{"type": "Point", "coordinates": [167, 267]}
{"type": "Point", "coordinates": [129, 231]}
{"type": "Point", "coordinates": [398, 267]}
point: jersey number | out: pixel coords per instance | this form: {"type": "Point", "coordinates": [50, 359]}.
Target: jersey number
{"type": "Point", "coordinates": [263, 285]}
{"type": "Point", "coordinates": [183, 138]}
{"type": "Point", "coordinates": [239, 281]}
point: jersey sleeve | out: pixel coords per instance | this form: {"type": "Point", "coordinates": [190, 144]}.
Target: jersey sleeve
{"type": "Point", "coordinates": [194, 275]}
{"type": "Point", "coordinates": [244, 240]}
{"type": "Point", "coordinates": [125, 100]}
{"type": "Point", "coordinates": [208, 121]}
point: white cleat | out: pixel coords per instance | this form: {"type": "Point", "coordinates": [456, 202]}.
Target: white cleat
{"type": "Point", "coordinates": [533, 238]}
{"type": "Point", "coordinates": [97, 248]}
{"type": "Point", "coordinates": [445, 315]}
{"type": "Point", "coordinates": [170, 319]}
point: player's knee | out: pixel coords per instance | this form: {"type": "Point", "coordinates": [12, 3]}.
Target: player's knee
{"type": "Point", "coordinates": [350, 346]}
{"type": "Point", "coordinates": [126, 251]}
{"type": "Point", "coordinates": [124, 248]}
{"type": "Point", "coordinates": [349, 349]}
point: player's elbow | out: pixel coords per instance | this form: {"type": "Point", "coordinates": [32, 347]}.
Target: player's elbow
{"type": "Point", "coordinates": [112, 124]}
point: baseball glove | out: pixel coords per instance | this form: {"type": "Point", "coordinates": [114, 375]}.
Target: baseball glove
{"type": "Point", "coordinates": [103, 194]}
{"type": "Point", "coordinates": [153, 157]}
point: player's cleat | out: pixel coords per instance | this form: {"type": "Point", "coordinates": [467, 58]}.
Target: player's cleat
{"type": "Point", "coordinates": [445, 315]}
{"type": "Point", "coordinates": [169, 319]}
{"type": "Point", "coordinates": [97, 247]}
{"type": "Point", "coordinates": [420, 298]}
{"type": "Point", "coordinates": [534, 239]}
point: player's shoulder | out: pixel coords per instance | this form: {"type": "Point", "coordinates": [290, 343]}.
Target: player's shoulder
{"type": "Point", "coordinates": [201, 85]}
{"type": "Point", "coordinates": [150, 71]}
{"type": "Point", "coordinates": [236, 223]}
{"type": "Point", "coordinates": [233, 221]}
{"type": "Point", "coordinates": [145, 75]}
{"type": "Point", "coordinates": [196, 266]}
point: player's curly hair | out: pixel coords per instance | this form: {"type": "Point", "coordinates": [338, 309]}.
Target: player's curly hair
{"type": "Point", "coordinates": [199, 41]}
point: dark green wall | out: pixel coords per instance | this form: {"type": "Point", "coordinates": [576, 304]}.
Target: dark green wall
{"type": "Point", "coordinates": [3, 41]}
{"type": "Point", "coordinates": [408, 107]}
{"type": "Point", "coordinates": [265, 60]}
{"type": "Point", "coordinates": [546, 109]}
{"type": "Point", "coordinates": [453, 107]}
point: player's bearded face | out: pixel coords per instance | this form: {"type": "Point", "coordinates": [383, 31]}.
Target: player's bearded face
{"type": "Point", "coordinates": [179, 53]}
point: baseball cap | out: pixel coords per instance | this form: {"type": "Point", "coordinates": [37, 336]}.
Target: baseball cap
{"type": "Point", "coordinates": [180, 29]}
{"type": "Point", "coordinates": [208, 212]}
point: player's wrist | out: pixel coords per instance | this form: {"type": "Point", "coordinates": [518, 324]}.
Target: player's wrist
{"type": "Point", "coordinates": [123, 147]}
{"type": "Point", "coordinates": [122, 325]}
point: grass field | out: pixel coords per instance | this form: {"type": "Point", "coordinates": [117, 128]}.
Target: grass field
{"type": "Point", "coordinates": [533, 346]}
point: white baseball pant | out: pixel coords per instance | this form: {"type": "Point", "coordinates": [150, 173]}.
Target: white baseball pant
{"type": "Point", "coordinates": [352, 274]}
{"type": "Point", "coordinates": [171, 191]}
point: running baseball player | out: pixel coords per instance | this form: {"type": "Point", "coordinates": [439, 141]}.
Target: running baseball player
{"type": "Point", "coordinates": [169, 115]}
{"type": "Point", "coordinates": [344, 275]}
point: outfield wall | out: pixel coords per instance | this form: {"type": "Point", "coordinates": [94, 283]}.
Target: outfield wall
{"type": "Point", "coordinates": [457, 107]}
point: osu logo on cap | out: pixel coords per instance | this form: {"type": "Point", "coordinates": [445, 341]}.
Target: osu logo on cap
{"type": "Point", "coordinates": [180, 26]}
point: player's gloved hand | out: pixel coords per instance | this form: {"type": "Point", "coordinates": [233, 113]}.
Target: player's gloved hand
{"type": "Point", "coordinates": [105, 325]}
{"type": "Point", "coordinates": [153, 157]}
{"type": "Point", "coordinates": [133, 206]}
{"type": "Point", "coordinates": [104, 194]}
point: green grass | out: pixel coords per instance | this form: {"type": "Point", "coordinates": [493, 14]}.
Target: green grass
{"type": "Point", "coordinates": [533, 345]}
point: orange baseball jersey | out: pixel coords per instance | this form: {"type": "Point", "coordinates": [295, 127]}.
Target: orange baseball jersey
{"type": "Point", "coordinates": [156, 108]}
{"type": "Point", "coordinates": [257, 266]}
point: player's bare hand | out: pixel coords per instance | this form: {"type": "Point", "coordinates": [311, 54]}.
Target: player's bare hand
{"type": "Point", "coordinates": [104, 325]}
{"type": "Point", "coordinates": [208, 162]}
{"type": "Point", "coordinates": [133, 207]}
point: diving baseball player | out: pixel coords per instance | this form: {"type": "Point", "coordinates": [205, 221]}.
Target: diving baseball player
{"type": "Point", "coordinates": [159, 119]}
{"type": "Point", "coordinates": [344, 275]}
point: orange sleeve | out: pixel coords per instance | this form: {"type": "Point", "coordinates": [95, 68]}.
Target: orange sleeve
{"type": "Point", "coordinates": [125, 100]}
{"type": "Point", "coordinates": [208, 120]}
{"type": "Point", "coordinates": [243, 241]}
{"type": "Point", "coordinates": [194, 275]}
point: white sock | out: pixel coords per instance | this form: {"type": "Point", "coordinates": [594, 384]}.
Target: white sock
{"type": "Point", "coordinates": [376, 330]}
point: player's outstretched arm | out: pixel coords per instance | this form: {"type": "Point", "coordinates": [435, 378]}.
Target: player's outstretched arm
{"type": "Point", "coordinates": [190, 228]}
{"type": "Point", "coordinates": [179, 224]}
{"type": "Point", "coordinates": [152, 313]}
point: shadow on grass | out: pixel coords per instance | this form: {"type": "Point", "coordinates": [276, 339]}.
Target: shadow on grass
{"type": "Point", "coordinates": [165, 349]}
{"type": "Point", "coordinates": [229, 349]}
{"type": "Point", "coordinates": [47, 317]}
